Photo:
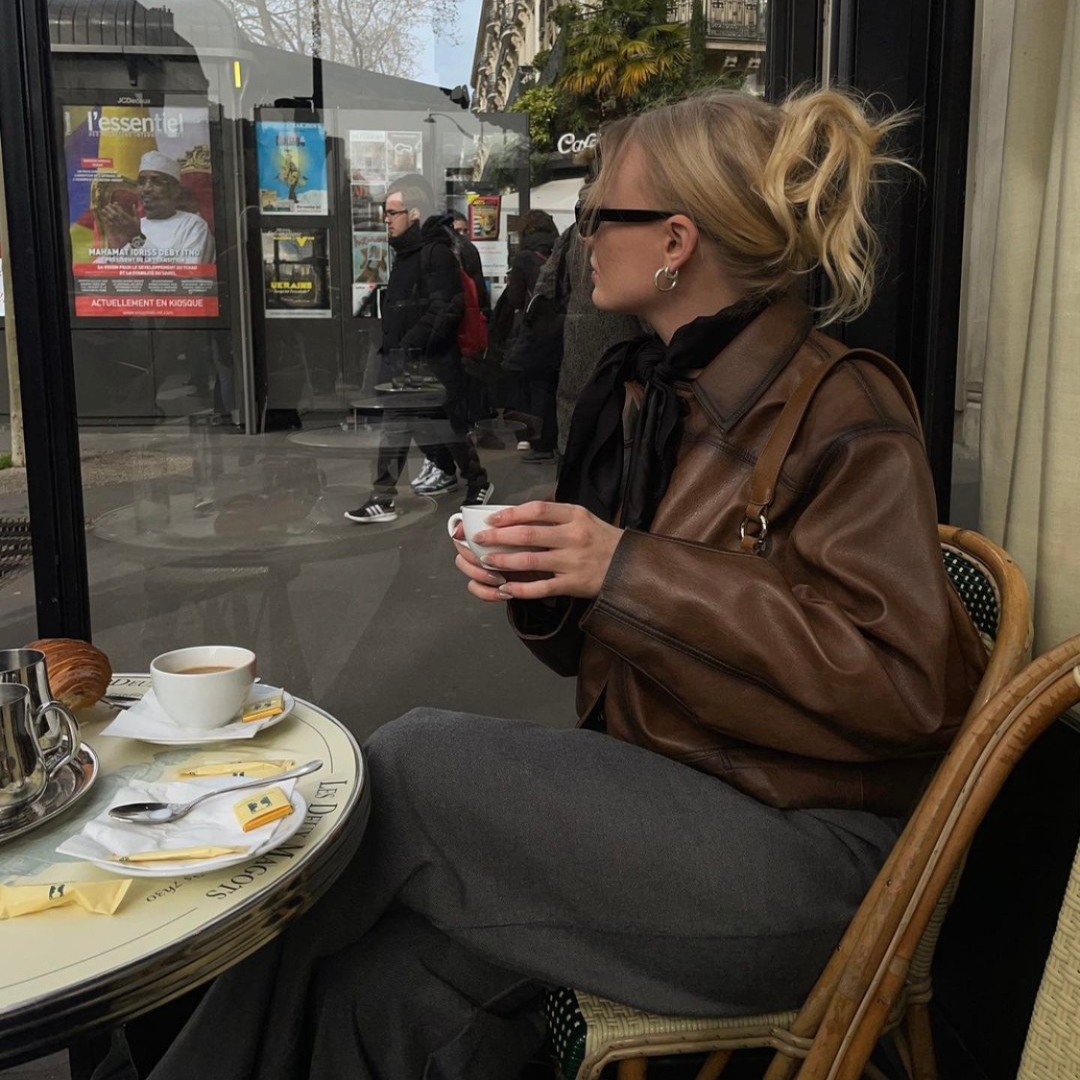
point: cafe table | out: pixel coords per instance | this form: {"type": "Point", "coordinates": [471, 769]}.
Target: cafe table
{"type": "Point", "coordinates": [66, 974]}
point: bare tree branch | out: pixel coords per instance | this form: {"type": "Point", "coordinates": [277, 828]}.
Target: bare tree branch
{"type": "Point", "coordinates": [379, 35]}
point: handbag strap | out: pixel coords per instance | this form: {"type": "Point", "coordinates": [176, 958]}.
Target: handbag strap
{"type": "Point", "coordinates": [763, 480]}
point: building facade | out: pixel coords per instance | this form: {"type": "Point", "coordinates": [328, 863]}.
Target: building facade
{"type": "Point", "coordinates": [510, 35]}
{"type": "Point", "coordinates": [513, 32]}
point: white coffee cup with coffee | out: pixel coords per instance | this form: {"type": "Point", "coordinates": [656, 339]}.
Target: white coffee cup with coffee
{"type": "Point", "coordinates": [474, 519]}
{"type": "Point", "coordinates": [203, 687]}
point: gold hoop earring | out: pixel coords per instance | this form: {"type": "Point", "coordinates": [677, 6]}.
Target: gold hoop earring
{"type": "Point", "coordinates": [669, 275]}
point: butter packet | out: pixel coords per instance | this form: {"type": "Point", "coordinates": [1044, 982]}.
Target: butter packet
{"type": "Point", "coordinates": [177, 854]}
{"type": "Point", "coordinates": [254, 769]}
{"type": "Point", "coordinates": [263, 708]}
{"type": "Point", "coordinates": [262, 808]}
{"type": "Point", "coordinates": [97, 897]}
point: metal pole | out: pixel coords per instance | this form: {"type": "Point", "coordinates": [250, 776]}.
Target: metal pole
{"type": "Point", "coordinates": [32, 171]}
{"type": "Point", "coordinates": [18, 454]}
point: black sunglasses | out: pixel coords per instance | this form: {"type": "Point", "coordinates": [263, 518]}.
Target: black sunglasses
{"type": "Point", "coordinates": [588, 221]}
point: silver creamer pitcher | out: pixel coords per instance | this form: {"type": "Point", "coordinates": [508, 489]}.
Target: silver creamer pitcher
{"type": "Point", "coordinates": [27, 666]}
{"type": "Point", "coordinates": [24, 773]}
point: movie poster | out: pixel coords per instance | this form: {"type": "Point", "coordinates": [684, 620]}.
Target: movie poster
{"type": "Point", "coordinates": [484, 215]}
{"type": "Point", "coordinates": [371, 269]}
{"type": "Point", "coordinates": [296, 273]}
{"type": "Point", "coordinates": [141, 209]}
{"type": "Point", "coordinates": [292, 166]}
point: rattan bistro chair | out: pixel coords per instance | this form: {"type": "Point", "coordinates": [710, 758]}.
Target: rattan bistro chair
{"type": "Point", "coordinates": [933, 843]}
{"type": "Point", "coordinates": [589, 1033]}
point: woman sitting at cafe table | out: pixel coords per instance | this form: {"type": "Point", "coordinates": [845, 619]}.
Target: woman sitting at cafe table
{"type": "Point", "coordinates": [758, 712]}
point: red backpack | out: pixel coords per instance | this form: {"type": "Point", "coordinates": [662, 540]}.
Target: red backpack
{"type": "Point", "coordinates": [472, 334]}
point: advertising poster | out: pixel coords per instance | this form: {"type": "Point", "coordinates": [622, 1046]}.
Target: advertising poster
{"type": "Point", "coordinates": [484, 212]}
{"type": "Point", "coordinates": [367, 178]}
{"type": "Point", "coordinates": [376, 160]}
{"type": "Point", "coordinates": [404, 153]}
{"type": "Point", "coordinates": [296, 273]}
{"type": "Point", "coordinates": [141, 209]}
{"type": "Point", "coordinates": [371, 269]}
{"type": "Point", "coordinates": [292, 166]}
{"type": "Point", "coordinates": [367, 157]}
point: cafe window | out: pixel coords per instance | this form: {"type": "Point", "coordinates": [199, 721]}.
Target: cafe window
{"type": "Point", "coordinates": [225, 169]}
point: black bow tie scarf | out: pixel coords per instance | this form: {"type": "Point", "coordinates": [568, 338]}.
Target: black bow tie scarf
{"type": "Point", "coordinates": [592, 473]}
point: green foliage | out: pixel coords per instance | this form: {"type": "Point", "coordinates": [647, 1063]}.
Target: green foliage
{"type": "Point", "coordinates": [541, 103]}
{"type": "Point", "coordinates": [540, 61]}
{"type": "Point", "coordinates": [616, 53]}
{"type": "Point", "coordinates": [564, 15]}
{"type": "Point", "coordinates": [668, 91]}
{"type": "Point", "coordinates": [5, 461]}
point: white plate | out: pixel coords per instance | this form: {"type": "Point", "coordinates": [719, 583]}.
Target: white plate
{"type": "Point", "coordinates": [202, 736]}
{"type": "Point", "coordinates": [189, 867]}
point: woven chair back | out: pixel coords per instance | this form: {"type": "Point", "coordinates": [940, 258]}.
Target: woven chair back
{"type": "Point", "coordinates": [931, 846]}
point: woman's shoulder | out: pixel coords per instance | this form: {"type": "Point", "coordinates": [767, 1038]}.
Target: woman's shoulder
{"type": "Point", "coordinates": [864, 387]}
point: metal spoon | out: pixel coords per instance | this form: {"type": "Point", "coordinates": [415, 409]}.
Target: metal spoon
{"type": "Point", "coordinates": [120, 702]}
{"type": "Point", "coordinates": [157, 813]}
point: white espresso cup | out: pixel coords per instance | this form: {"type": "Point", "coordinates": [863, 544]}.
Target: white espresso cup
{"type": "Point", "coordinates": [474, 519]}
{"type": "Point", "coordinates": [205, 686]}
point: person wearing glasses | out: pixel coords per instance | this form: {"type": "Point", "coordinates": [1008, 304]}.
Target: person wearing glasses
{"type": "Point", "coordinates": [761, 696]}
{"type": "Point", "coordinates": [421, 309]}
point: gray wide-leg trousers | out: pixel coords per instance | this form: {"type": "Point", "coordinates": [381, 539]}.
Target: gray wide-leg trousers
{"type": "Point", "coordinates": [503, 857]}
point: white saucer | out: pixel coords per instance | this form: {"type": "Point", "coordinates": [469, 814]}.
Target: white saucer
{"type": "Point", "coordinates": [125, 726]}
{"type": "Point", "coordinates": [190, 867]}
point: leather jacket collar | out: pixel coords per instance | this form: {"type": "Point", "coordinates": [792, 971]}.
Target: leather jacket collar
{"type": "Point", "coordinates": [728, 390]}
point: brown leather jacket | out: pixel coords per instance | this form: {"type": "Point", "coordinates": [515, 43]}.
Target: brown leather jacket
{"type": "Point", "coordinates": [833, 670]}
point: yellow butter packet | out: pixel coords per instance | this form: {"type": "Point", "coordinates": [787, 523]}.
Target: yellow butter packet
{"type": "Point", "coordinates": [263, 708]}
{"type": "Point", "coordinates": [97, 897]}
{"type": "Point", "coordinates": [235, 768]}
{"type": "Point", "coordinates": [177, 854]}
{"type": "Point", "coordinates": [262, 808]}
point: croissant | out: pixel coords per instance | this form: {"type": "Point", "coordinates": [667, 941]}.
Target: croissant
{"type": "Point", "coordinates": [79, 673]}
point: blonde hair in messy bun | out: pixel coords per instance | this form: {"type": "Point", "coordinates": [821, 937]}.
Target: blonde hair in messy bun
{"type": "Point", "coordinates": [781, 189]}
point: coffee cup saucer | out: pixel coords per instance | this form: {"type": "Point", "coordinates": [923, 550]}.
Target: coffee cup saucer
{"type": "Point", "coordinates": [147, 721]}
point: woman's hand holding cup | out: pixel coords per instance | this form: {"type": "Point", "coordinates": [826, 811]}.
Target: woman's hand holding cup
{"type": "Point", "coordinates": [473, 557]}
{"type": "Point", "coordinates": [562, 550]}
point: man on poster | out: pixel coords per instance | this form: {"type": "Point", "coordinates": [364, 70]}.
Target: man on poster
{"type": "Point", "coordinates": [164, 234]}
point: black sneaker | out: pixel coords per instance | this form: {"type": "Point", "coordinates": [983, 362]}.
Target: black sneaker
{"type": "Point", "coordinates": [539, 457]}
{"type": "Point", "coordinates": [478, 494]}
{"type": "Point", "coordinates": [377, 508]}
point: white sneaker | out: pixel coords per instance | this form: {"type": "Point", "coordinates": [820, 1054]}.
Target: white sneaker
{"type": "Point", "coordinates": [424, 474]}
{"type": "Point", "coordinates": [524, 445]}
{"type": "Point", "coordinates": [438, 482]}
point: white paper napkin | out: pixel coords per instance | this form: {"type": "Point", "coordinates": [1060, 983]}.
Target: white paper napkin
{"type": "Point", "coordinates": [146, 719]}
{"type": "Point", "coordinates": [210, 824]}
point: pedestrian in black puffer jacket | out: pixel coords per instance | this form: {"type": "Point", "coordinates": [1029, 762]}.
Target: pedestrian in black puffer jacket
{"type": "Point", "coordinates": [421, 309]}
{"type": "Point", "coordinates": [423, 302]}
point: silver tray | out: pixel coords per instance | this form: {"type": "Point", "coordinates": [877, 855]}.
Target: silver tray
{"type": "Point", "coordinates": [63, 791]}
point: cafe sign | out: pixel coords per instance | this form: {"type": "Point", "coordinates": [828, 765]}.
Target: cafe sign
{"type": "Point", "coordinates": [574, 144]}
